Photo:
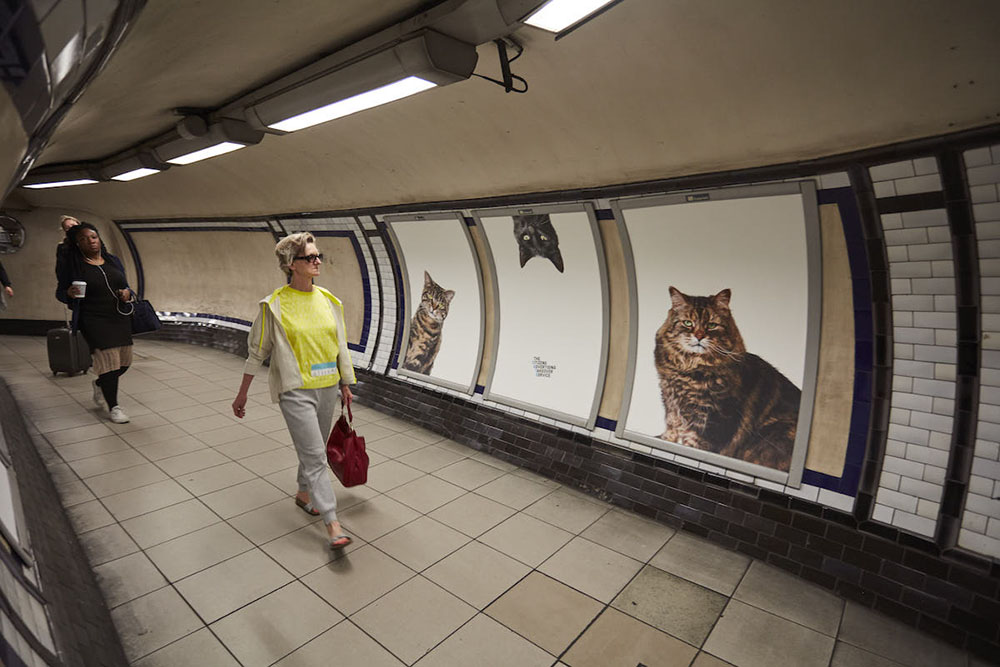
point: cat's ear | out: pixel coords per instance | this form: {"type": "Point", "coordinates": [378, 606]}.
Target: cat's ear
{"type": "Point", "coordinates": [449, 294]}
{"type": "Point", "coordinates": [677, 298]}
{"type": "Point", "coordinates": [722, 298]}
{"type": "Point", "coordinates": [556, 258]}
{"type": "Point", "coordinates": [526, 254]}
{"type": "Point", "coordinates": [427, 279]}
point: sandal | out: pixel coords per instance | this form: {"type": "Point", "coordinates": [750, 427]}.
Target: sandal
{"type": "Point", "coordinates": [340, 541]}
{"type": "Point", "coordinates": [306, 507]}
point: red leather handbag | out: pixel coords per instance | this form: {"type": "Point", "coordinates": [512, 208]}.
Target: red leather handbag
{"type": "Point", "coordinates": [345, 452]}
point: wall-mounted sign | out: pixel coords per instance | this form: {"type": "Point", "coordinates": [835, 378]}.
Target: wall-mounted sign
{"type": "Point", "coordinates": [11, 234]}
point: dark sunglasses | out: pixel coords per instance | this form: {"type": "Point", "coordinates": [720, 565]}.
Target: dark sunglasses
{"type": "Point", "coordinates": [311, 258]}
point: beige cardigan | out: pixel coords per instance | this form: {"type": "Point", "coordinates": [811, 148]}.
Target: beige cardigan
{"type": "Point", "coordinates": [268, 338]}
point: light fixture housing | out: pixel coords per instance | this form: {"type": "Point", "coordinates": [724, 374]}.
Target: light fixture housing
{"type": "Point", "coordinates": [559, 15]}
{"type": "Point", "coordinates": [132, 167]}
{"type": "Point", "coordinates": [56, 178]}
{"type": "Point", "coordinates": [343, 85]}
{"type": "Point", "coordinates": [225, 136]}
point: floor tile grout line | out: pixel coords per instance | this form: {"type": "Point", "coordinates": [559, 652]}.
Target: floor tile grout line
{"type": "Point", "coordinates": [731, 597]}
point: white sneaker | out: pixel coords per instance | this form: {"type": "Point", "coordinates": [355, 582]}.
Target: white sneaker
{"type": "Point", "coordinates": [98, 396]}
{"type": "Point", "coordinates": [118, 415]}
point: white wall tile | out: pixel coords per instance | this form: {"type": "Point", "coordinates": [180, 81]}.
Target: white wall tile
{"type": "Point", "coordinates": [909, 186]}
{"type": "Point", "coordinates": [913, 523]}
{"type": "Point", "coordinates": [892, 171]}
{"type": "Point", "coordinates": [977, 157]}
{"type": "Point", "coordinates": [979, 543]}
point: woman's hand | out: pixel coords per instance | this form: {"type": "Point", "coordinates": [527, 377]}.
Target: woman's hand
{"type": "Point", "coordinates": [240, 405]}
{"type": "Point", "coordinates": [125, 294]}
{"type": "Point", "coordinates": [9, 290]}
{"type": "Point", "coordinates": [73, 291]}
{"type": "Point", "coordinates": [345, 395]}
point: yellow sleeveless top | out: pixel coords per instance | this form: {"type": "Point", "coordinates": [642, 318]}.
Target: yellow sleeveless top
{"type": "Point", "coordinates": [312, 333]}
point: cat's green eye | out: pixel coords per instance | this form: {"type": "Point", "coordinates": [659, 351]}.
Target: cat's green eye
{"type": "Point", "coordinates": [712, 325]}
{"type": "Point", "coordinates": [544, 237]}
{"type": "Point", "coordinates": [688, 323]}
{"type": "Point", "coordinates": [526, 237]}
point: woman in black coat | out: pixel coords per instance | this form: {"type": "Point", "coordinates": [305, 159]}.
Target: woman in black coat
{"type": "Point", "coordinates": [102, 314]}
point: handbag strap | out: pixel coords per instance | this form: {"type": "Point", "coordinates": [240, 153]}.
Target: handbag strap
{"type": "Point", "coordinates": [350, 417]}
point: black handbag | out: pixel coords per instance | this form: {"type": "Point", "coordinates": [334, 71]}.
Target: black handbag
{"type": "Point", "coordinates": [144, 319]}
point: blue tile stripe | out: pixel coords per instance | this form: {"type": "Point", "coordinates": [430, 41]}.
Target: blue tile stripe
{"type": "Point", "coordinates": [397, 277]}
{"type": "Point", "coordinates": [366, 321]}
{"type": "Point", "coordinates": [140, 277]}
{"type": "Point", "coordinates": [850, 216]}
{"type": "Point", "coordinates": [604, 422]}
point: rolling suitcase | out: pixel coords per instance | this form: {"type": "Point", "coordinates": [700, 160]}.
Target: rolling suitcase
{"type": "Point", "coordinates": [68, 351]}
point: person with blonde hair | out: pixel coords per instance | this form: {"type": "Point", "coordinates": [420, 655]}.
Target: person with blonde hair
{"type": "Point", "coordinates": [300, 326]}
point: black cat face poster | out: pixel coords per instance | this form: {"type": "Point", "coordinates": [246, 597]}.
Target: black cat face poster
{"type": "Point", "coordinates": [537, 237]}
{"type": "Point", "coordinates": [725, 328]}
{"type": "Point", "coordinates": [550, 290]}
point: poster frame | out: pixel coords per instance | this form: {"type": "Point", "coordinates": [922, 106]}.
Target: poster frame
{"type": "Point", "coordinates": [469, 388]}
{"type": "Point", "coordinates": [602, 269]}
{"type": "Point", "coordinates": [814, 291]}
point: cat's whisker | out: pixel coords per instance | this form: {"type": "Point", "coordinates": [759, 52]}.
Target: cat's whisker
{"type": "Point", "coordinates": [715, 347]}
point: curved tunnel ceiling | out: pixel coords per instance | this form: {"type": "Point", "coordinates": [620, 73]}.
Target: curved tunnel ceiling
{"type": "Point", "coordinates": [650, 89]}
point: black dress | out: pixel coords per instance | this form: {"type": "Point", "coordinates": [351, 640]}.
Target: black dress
{"type": "Point", "coordinates": [101, 311]}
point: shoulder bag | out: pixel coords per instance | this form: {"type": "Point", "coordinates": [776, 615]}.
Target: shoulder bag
{"type": "Point", "coordinates": [142, 313]}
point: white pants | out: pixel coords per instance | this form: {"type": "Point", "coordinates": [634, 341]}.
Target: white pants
{"type": "Point", "coordinates": [309, 416]}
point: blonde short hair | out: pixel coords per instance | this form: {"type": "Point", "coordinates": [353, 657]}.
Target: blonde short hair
{"type": "Point", "coordinates": [290, 247]}
{"type": "Point", "coordinates": [63, 219]}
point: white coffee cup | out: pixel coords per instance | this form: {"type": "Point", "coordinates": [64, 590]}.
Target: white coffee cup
{"type": "Point", "coordinates": [81, 287]}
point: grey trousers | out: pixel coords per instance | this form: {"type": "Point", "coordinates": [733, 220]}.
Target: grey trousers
{"type": "Point", "coordinates": [309, 416]}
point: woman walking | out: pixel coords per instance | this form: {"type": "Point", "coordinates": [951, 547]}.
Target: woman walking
{"type": "Point", "coordinates": [301, 327]}
{"type": "Point", "coordinates": [102, 313]}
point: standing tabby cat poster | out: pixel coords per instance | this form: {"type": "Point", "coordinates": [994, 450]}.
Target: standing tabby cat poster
{"type": "Point", "coordinates": [717, 396]}
{"type": "Point", "coordinates": [722, 334]}
{"type": "Point", "coordinates": [443, 316]}
{"type": "Point", "coordinates": [427, 326]}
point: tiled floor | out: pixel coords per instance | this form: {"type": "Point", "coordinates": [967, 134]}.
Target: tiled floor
{"type": "Point", "coordinates": [458, 558]}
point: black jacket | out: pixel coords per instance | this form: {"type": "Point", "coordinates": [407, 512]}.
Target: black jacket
{"type": "Point", "coordinates": [69, 267]}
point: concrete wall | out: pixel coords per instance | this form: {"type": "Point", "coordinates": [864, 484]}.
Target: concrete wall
{"type": "Point", "coordinates": [32, 268]}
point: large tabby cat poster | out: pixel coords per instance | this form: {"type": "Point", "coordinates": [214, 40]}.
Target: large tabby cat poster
{"type": "Point", "coordinates": [724, 327]}
{"type": "Point", "coordinates": [551, 315]}
{"type": "Point", "coordinates": [443, 304]}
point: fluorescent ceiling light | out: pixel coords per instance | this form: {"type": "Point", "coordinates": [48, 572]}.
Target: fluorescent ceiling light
{"type": "Point", "coordinates": [135, 173]}
{"type": "Point", "coordinates": [60, 184]}
{"type": "Point", "coordinates": [411, 85]}
{"type": "Point", "coordinates": [557, 15]}
{"type": "Point", "coordinates": [345, 83]}
{"type": "Point", "coordinates": [205, 153]}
